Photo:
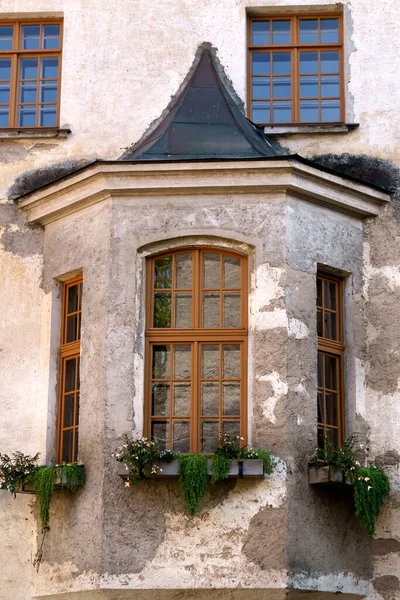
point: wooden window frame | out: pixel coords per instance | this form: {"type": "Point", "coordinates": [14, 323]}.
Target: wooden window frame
{"type": "Point", "coordinates": [68, 350]}
{"type": "Point", "coordinates": [16, 54]}
{"type": "Point", "coordinates": [294, 48]}
{"type": "Point", "coordinates": [335, 348]}
{"type": "Point", "coordinates": [196, 336]}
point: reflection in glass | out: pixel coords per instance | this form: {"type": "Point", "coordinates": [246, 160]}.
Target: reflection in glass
{"type": "Point", "coordinates": [231, 361]}
{"type": "Point", "coordinates": [29, 68]}
{"type": "Point", "coordinates": [260, 32]}
{"type": "Point", "coordinates": [162, 309]}
{"type": "Point", "coordinates": [183, 271]}
{"type": "Point", "coordinates": [30, 37]}
{"type": "Point", "coordinates": [261, 112]}
{"type": "Point", "coordinates": [181, 436]}
{"type": "Point", "coordinates": [309, 111]}
{"type": "Point", "coordinates": [48, 92]}
{"type": "Point", "coordinates": [49, 68]}
{"type": "Point", "coordinates": [320, 405]}
{"type": "Point", "coordinates": [47, 116]}
{"type": "Point", "coordinates": [261, 88]}
{"type": "Point", "coordinates": [309, 86]}
{"type": "Point", "coordinates": [181, 399]}
{"type": "Point", "coordinates": [72, 328]}
{"type": "Point", "coordinates": [209, 361]}
{"type": "Point", "coordinates": [282, 111]}
{"type": "Point", "coordinates": [281, 63]}
{"type": "Point", "coordinates": [211, 304]}
{"type": "Point", "coordinates": [309, 31]}
{"type": "Point", "coordinates": [331, 372]}
{"type": "Point", "coordinates": [209, 436]}
{"type": "Point", "coordinates": [5, 68]}
{"type": "Point", "coordinates": [231, 427]}
{"type": "Point", "coordinates": [330, 86]}
{"type": "Point", "coordinates": [330, 295]}
{"type": "Point", "coordinates": [321, 438]}
{"type": "Point", "coordinates": [329, 62]}
{"type": "Point", "coordinates": [161, 362]}
{"type": "Point", "coordinates": [331, 408]}
{"type": "Point", "coordinates": [4, 94]}
{"type": "Point", "coordinates": [308, 63]}
{"type": "Point", "coordinates": [72, 299]}
{"type": "Point", "coordinates": [319, 322]}
{"type": "Point", "coordinates": [332, 436]}
{"type": "Point", "coordinates": [261, 63]}
{"type": "Point", "coordinates": [209, 398]}
{"type": "Point", "coordinates": [281, 32]}
{"type": "Point", "coordinates": [211, 270]}
{"type": "Point", "coordinates": [160, 398]}
{"type": "Point", "coordinates": [6, 38]}
{"type": "Point", "coordinates": [282, 87]}
{"type": "Point", "coordinates": [319, 292]}
{"type": "Point", "coordinates": [183, 310]}
{"type": "Point", "coordinates": [330, 325]}
{"type": "Point", "coordinates": [69, 410]}
{"type": "Point", "coordinates": [231, 398]}
{"type": "Point", "coordinates": [160, 433]}
{"type": "Point", "coordinates": [27, 92]}
{"type": "Point", "coordinates": [67, 445]}
{"type": "Point", "coordinates": [320, 370]}
{"type": "Point", "coordinates": [51, 36]}
{"type": "Point", "coordinates": [182, 361]}
{"type": "Point", "coordinates": [70, 371]}
{"type": "Point", "coordinates": [330, 110]}
{"type": "Point", "coordinates": [231, 309]}
{"type": "Point", "coordinates": [163, 273]}
{"type": "Point", "coordinates": [329, 31]}
{"type": "Point", "coordinates": [3, 117]}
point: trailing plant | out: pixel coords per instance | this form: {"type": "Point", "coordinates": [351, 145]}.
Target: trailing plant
{"type": "Point", "coordinates": [341, 457]}
{"type": "Point", "coordinates": [193, 479]}
{"type": "Point", "coordinates": [142, 458]}
{"type": "Point", "coordinates": [16, 470]}
{"type": "Point", "coordinates": [43, 482]}
{"type": "Point", "coordinates": [220, 466]}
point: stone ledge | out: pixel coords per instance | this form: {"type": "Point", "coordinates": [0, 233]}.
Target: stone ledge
{"type": "Point", "coordinates": [13, 133]}
{"type": "Point", "coordinates": [310, 129]}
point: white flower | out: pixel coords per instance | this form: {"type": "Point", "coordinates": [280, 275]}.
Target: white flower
{"type": "Point", "coordinates": [127, 483]}
{"type": "Point", "coordinates": [369, 487]}
{"type": "Point", "coordinates": [366, 478]}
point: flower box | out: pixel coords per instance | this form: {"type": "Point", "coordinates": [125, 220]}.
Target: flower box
{"type": "Point", "coordinates": [248, 467]}
{"type": "Point", "coordinates": [327, 476]}
{"type": "Point", "coordinates": [60, 483]}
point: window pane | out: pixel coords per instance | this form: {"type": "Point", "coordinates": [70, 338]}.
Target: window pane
{"type": "Point", "coordinates": [48, 92]}
{"type": "Point", "coordinates": [330, 86]}
{"type": "Point", "coordinates": [231, 272]}
{"type": "Point", "coordinates": [3, 117]}
{"type": "Point", "coordinates": [181, 436]}
{"type": "Point", "coordinates": [282, 87]}
{"type": "Point", "coordinates": [4, 94]}
{"type": "Point", "coordinates": [211, 303]}
{"type": "Point", "coordinates": [71, 328]}
{"type": "Point", "coordinates": [321, 438]}
{"type": "Point", "coordinates": [330, 110]}
{"type": "Point", "coordinates": [160, 398]}
{"type": "Point", "coordinates": [72, 299]}
{"type": "Point", "coordinates": [231, 309]}
{"type": "Point", "coordinates": [162, 309]}
{"type": "Point", "coordinates": [261, 63]}
{"type": "Point", "coordinates": [309, 111]}
{"type": "Point", "coordinates": [69, 402]}
{"type": "Point", "coordinates": [211, 270]}
{"type": "Point", "coordinates": [332, 436]}
{"type": "Point", "coordinates": [30, 37]}
{"type": "Point", "coordinates": [329, 31]}
{"type": "Point", "coordinates": [309, 86]}
{"type": "Point", "coordinates": [329, 62]}
{"type": "Point", "coordinates": [231, 398]}
{"type": "Point", "coordinates": [261, 87]}
{"type": "Point", "coordinates": [261, 112]}
{"type": "Point", "coordinates": [209, 436]}
{"type": "Point", "coordinates": [161, 362]}
{"type": "Point", "coordinates": [210, 361]}
{"type": "Point", "coordinates": [70, 372]}
{"type": "Point", "coordinates": [320, 407]}
{"type": "Point", "coordinates": [281, 63]}
{"type": "Point", "coordinates": [67, 446]}
{"type": "Point", "coordinates": [319, 292]}
{"type": "Point", "coordinates": [51, 36]}
{"type": "Point", "coordinates": [330, 326]}
{"type": "Point", "coordinates": [5, 68]}
{"type": "Point", "coordinates": [29, 68]}
{"type": "Point", "coordinates": [160, 433]}
{"type": "Point", "coordinates": [319, 322]}
{"type": "Point", "coordinates": [49, 68]}
{"type": "Point", "coordinates": [309, 31]}
{"type": "Point", "coordinates": [48, 116]}
{"type": "Point", "coordinates": [182, 361]}
{"type": "Point", "coordinates": [181, 399]}
{"type": "Point", "coordinates": [231, 361]}
{"type": "Point", "coordinates": [231, 427]}
{"type": "Point", "coordinates": [260, 32]}
{"type": "Point", "coordinates": [183, 271]}
{"type": "Point", "coordinates": [330, 295]}
{"type": "Point", "coordinates": [163, 273]}
{"type": "Point", "coordinates": [308, 63]}
{"type": "Point", "coordinates": [282, 112]}
{"type": "Point", "coordinates": [331, 408]}
{"type": "Point", "coordinates": [6, 38]}
{"type": "Point", "coordinates": [209, 398]}
{"type": "Point", "coordinates": [320, 370]}
{"type": "Point", "coordinates": [183, 310]}
{"type": "Point", "coordinates": [281, 32]}
{"type": "Point", "coordinates": [331, 363]}
{"type": "Point", "coordinates": [27, 93]}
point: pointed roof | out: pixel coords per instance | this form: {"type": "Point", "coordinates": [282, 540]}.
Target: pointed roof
{"type": "Point", "coordinates": [204, 123]}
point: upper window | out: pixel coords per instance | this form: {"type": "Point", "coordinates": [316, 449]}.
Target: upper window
{"type": "Point", "coordinates": [30, 67]}
{"type": "Point", "coordinates": [295, 69]}
{"type": "Point", "coordinates": [196, 348]}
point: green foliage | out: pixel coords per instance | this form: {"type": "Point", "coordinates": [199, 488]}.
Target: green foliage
{"type": "Point", "coordinates": [371, 488]}
{"type": "Point", "coordinates": [141, 457]}
{"type": "Point", "coordinates": [73, 474]}
{"type": "Point", "coordinates": [229, 449]}
{"type": "Point", "coordinates": [220, 465]}
{"type": "Point", "coordinates": [193, 479]}
{"type": "Point", "coordinates": [263, 455]}
{"type": "Point", "coordinates": [43, 481]}
{"type": "Point", "coordinates": [15, 471]}
{"type": "Point", "coordinates": [341, 457]}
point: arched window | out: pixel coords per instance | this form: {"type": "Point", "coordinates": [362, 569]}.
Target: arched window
{"type": "Point", "coordinates": [196, 348]}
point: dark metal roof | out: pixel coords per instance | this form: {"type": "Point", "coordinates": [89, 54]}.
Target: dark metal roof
{"type": "Point", "coordinates": [205, 123]}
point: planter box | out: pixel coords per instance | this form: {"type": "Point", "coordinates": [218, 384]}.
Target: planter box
{"type": "Point", "coordinates": [248, 467]}
{"type": "Point", "coordinates": [59, 484]}
{"type": "Point", "coordinates": [327, 476]}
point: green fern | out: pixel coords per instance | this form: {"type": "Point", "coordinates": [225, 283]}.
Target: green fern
{"type": "Point", "coordinates": [193, 479]}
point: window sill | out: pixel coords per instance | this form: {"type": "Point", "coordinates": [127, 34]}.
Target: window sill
{"type": "Point", "coordinates": [249, 467]}
{"type": "Point", "coordinates": [309, 129]}
{"type": "Point", "coordinates": [327, 476]}
{"type": "Point", "coordinates": [12, 133]}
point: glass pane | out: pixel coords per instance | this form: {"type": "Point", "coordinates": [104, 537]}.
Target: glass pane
{"type": "Point", "coordinates": [69, 410]}
{"type": "Point", "coordinates": [210, 362]}
{"type": "Point", "coordinates": [5, 68]}
{"type": "Point", "coordinates": [183, 310]}
{"type": "Point", "coordinates": [329, 31]}
{"type": "Point", "coordinates": [209, 398]}
{"type": "Point", "coordinates": [309, 86]}
{"type": "Point", "coordinates": [261, 87]}
{"type": "Point", "coordinates": [231, 269]}
{"type": "Point", "coordinates": [51, 36]}
{"type": "Point", "coordinates": [48, 92]}
{"type": "Point", "coordinates": [49, 68]}
{"type": "Point", "coordinates": [321, 438]}
{"type": "Point", "coordinates": [309, 111]}
{"type": "Point", "coordinates": [320, 403]}
{"type": "Point", "coordinates": [181, 399]}
{"type": "Point", "coordinates": [77, 408]}
{"type": "Point", "coordinates": [260, 32]}
{"type": "Point", "coordinates": [231, 398]}
{"type": "Point", "coordinates": [330, 325]}
{"type": "Point", "coordinates": [183, 271]}
{"type": "Point", "coordinates": [30, 37]}
{"type": "Point", "coordinates": [330, 295]}
{"type": "Point", "coordinates": [261, 112]}
{"type": "Point", "coordinates": [182, 361]}
{"type": "Point", "coordinates": [330, 86]}
{"type": "Point", "coordinates": [282, 112]}
{"type": "Point", "coordinates": [282, 87]}
{"type": "Point", "coordinates": [331, 408]}
{"type": "Point", "coordinates": [211, 302]}
{"type": "Point", "coordinates": [309, 31]}
{"type": "Point", "coordinates": [211, 270]}
{"type": "Point", "coordinates": [308, 63]}
{"type": "Point", "coordinates": [281, 32]}
{"type": "Point", "coordinates": [329, 62]}
{"type": "Point", "coordinates": [160, 398]}
{"type": "Point", "coordinates": [319, 292]}
{"type": "Point", "coordinates": [261, 63]}
{"type": "Point", "coordinates": [4, 94]}
{"type": "Point", "coordinates": [163, 273]}
{"type": "Point", "coordinates": [332, 436]}
{"type": "Point", "coordinates": [160, 433]}
{"type": "Point", "coordinates": [29, 68]}
{"type": "Point", "coordinates": [330, 372]}
{"type": "Point", "coordinates": [6, 38]}
{"type": "Point", "coordinates": [181, 436]}
{"type": "Point", "coordinates": [231, 361]}
{"type": "Point", "coordinates": [70, 372]}
{"type": "Point", "coordinates": [67, 446]}
{"type": "Point", "coordinates": [209, 436]}
{"type": "Point", "coordinates": [330, 110]}
{"type": "Point", "coordinates": [161, 362]}
{"type": "Point", "coordinates": [3, 117]}
{"type": "Point", "coordinates": [162, 309]}
{"type": "Point", "coordinates": [76, 446]}
{"type": "Point", "coordinates": [281, 63]}
{"type": "Point", "coordinates": [319, 322]}
{"type": "Point", "coordinates": [27, 92]}
{"type": "Point", "coordinates": [231, 309]}
{"type": "Point", "coordinates": [231, 427]}
{"type": "Point", "coordinates": [320, 370]}
{"type": "Point", "coordinates": [71, 328]}
{"type": "Point", "coordinates": [72, 299]}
